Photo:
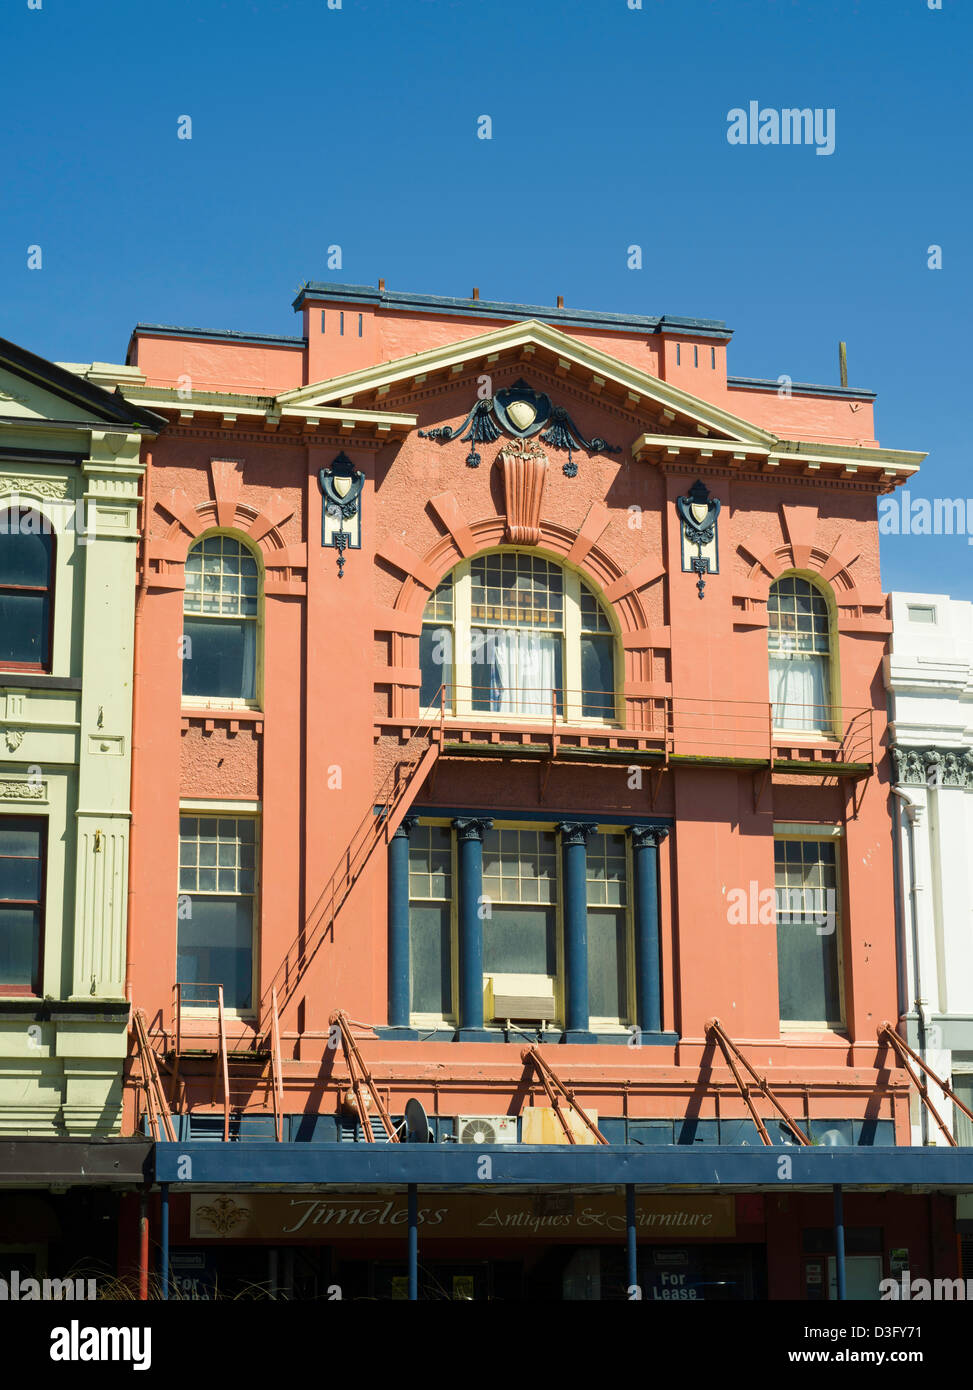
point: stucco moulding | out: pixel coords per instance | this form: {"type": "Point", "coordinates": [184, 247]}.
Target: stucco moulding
{"type": "Point", "coordinates": [56, 488]}
{"type": "Point", "coordinates": [524, 468]}
{"type": "Point", "coordinates": [22, 789]}
{"type": "Point", "coordinates": [921, 767]}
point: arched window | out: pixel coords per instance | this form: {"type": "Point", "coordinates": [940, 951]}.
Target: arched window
{"type": "Point", "coordinates": [26, 590]}
{"type": "Point", "coordinates": [799, 649]}
{"type": "Point", "coordinates": [513, 633]}
{"type": "Point", "coordinates": [220, 620]}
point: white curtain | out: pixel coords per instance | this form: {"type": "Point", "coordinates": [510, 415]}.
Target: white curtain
{"type": "Point", "coordinates": [799, 691]}
{"type": "Point", "coordinates": [522, 671]}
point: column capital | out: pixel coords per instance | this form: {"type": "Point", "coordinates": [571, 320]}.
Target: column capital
{"type": "Point", "coordinates": [406, 826]}
{"type": "Point", "coordinates": [575, 832]}
{"type": "Point", "coordinates": [472, 827]}
{"type": "Point", "coordinates": [644, 835]}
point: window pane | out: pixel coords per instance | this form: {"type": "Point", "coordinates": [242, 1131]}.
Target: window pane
{"type": "Point", "coordinates": [20, 879]}
{"type": "Point", "coordinates": [436, 665]}
{"type": "Point", "coordinates": [607, 965]}
{"type": "Point", "coordinates": [216, 947]}
{"type": "Point", "coordinates": [24, 628]}
{"type": "Point", "coordinates": [25, 555]}
{"type": "Point", "coordinates": [597, 677]}
{"type": "Point", "coordinates": [220, 659]}
{"type": "Point", "coordinates": [230, 578]}
{"type": "Point", "coordinates": [19, 946]}
{"type": "Point", "coordinates": [520, 940]}
{"type": "Point", "coordinates": [808, 973]}
{"type": "Point", "coordinates": [429, 936]}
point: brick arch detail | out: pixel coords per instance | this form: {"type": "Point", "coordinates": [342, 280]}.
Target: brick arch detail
{"type": "Point", "coordinates": [596, 565]}
{"type": "Point", "coordinates": [825, 566]}
{"type": "Point", "coordinates": [190, 522]}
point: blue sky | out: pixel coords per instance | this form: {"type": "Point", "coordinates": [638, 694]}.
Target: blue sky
{"type": "Point", "coordinates": [356, 126]}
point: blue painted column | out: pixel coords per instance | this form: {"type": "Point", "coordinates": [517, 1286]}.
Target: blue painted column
{"type": "Point", "coordinates": [400, 956]}
{"type": "Point", "coordinates": [469, 835]}
{"type": "Point", "coordinates": [646, 840]}
{"type": "Point", "coordinates": [839, 1241]}
{"type": "Point", "coordinates": [164, 1238]}
{"type": "Point", "coordinates": [574, 852]}
{"type": "Point", "coordinates": [413, 1243]}
{"type": "Point", "coordinates": [631, 1248]}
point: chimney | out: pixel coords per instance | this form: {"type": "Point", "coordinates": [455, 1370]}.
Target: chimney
{"type": "Point", "coordinates": [476, 294]}
{"type": "Point", "coordinates": [381, 286]}
{"type": "Point", "coordinates": [560, 301]}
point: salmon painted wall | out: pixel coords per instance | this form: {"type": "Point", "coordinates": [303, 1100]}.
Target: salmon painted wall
{"type": "Point", "coordinates": [340, 673]}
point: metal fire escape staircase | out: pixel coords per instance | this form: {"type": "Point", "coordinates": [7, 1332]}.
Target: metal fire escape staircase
{"type": "Point", "coordinates": [247, 1072]}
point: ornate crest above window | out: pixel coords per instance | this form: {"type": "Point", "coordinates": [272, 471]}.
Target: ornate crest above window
{"type": "Point", "coordinates": [700, 550]}
{"type": "Point", "coordinates": [521, 412]}
{"type": "Point", "coordinates": [341, 511]}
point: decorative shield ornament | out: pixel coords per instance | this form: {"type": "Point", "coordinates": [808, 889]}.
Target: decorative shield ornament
{"type": "Point", "coordinates": [523, 413]}
{"type": "Point", "coordinates": [698, 512]}
{"type": "Point", "coordinates": [521, 410]}
{"type": "Point", "coordinates": [341, 485]}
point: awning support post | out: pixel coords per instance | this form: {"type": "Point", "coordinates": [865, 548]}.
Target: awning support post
{"type": "Point", "coordinates": [164, 1240]}
{"type": "Point", "coordinates": [413, 1243]}
{"type": "Point", "coordinates": [630, 1241]}
{"type": "Point", "coordinates": [839, 1241]}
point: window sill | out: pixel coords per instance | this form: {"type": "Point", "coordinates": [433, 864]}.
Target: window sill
{"type": "Point", "coordinates": [195, 703]}
{"type": "Point", "coordinates": [449, 1033]}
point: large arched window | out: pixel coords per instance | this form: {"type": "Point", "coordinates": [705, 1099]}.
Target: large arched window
{"type": "Point", "coordinates": [513, 633]}
{"type": "Point", "coordinates": [220, 620]}
{"type": "Point", "coordinates": [799, 649]}
{"type": "Point", "coordinates": [26, 590]}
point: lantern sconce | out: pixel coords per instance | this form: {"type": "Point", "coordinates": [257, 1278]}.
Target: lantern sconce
{"type": "Point", "coordinates": [341, 485]}
{"type": "Point", "coordinates": [700, 550]}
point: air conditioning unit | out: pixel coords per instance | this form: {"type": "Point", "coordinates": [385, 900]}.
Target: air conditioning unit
{"type": "Point", "coordinates": [520, 997]}
{"type": "Point", "coordinates": [486, 1129]}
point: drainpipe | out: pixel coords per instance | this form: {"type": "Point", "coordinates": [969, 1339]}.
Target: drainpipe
{"type": "Point", "coordinates": [143, 584]}
{"type": "Point", "coordinates": [912, 813]}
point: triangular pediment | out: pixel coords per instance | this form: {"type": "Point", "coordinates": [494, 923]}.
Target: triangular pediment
{"type": "Point", "coordinates": [546, 343]}
{"type": "Point", "coordinates": [36, 391]}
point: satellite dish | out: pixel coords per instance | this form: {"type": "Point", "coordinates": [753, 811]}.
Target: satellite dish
{"type": "Point", "coordinates": [417, 1125]}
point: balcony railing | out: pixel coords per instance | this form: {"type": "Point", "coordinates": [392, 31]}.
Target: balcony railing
{"type": "Point", "coordinates": [680, 728]}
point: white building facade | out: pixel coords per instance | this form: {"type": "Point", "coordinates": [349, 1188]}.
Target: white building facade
{"type": "Point", "coordinates": [929, 677]}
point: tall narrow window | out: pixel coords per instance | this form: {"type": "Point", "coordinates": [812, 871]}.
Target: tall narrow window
{"type": "Point", "coordinates": [607, 874]}
{"type": "Point", "coordinates": [22, 844]}
{"type": "Point", "coordinates": [520, 891]}
{"type": "Point", "coordinates": [220, 623]}
{"type": "Point", "coordinates": [217, 886]}
{"type": "Point", "coordinates": [799, 648]}
{"type": "Point", "coordinates": [808, 932]}
{"type": "Point", "coordinates": [597, 658]}
{"type": "Point", "coordinates": [436, 647]}
{"type": "Point", "coordinates": [26, 588]}
{"type": "Point", "coordinates": [430, 920]}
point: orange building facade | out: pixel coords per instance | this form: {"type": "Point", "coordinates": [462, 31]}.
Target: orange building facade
{"type": "Point", "coordinates": [511, 678]}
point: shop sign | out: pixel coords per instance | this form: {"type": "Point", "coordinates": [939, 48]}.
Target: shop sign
{"type": "Point", "coordinates": [326, 1216]}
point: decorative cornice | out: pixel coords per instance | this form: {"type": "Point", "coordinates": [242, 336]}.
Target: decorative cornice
{"type": "Point", "coordinates": [933, 767]}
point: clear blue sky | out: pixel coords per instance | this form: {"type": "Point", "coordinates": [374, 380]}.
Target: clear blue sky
{"type": "Point", "coordinates": [357, 126]}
